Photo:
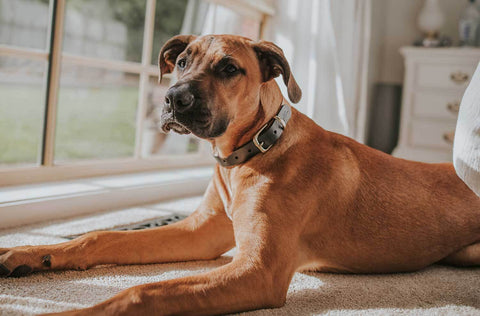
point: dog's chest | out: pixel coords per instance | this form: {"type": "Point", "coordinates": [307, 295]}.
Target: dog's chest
{"type": "Point", "coordinates": [225, 192]}
{"type": "Point", "coordinates": [229, 213]}
{"type": "Point", "coordinates": [237, 189]}
{"type": "Point", "coordinates": [227, 203]}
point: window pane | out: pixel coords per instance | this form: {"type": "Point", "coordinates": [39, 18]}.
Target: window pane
{"type": "Point", "coordinates": [96, 114]}
{"type": "Point", "coordinates": [169, 16]}
{"type": "Point", "coordinates": [154, 141]}
{"type": "Point", "coordinates": [22, 107]}
{"type": "Point", "coordinates": [111, 29]}
{"type": "Point", "coordinates": [24, 23]}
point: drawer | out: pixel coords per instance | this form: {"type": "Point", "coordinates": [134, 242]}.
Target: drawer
{"type": "Point", "coordinates": [436, 104]}
{"type": "Point", "coordinates": [432, 134]}
{"type": "Point", "coordinates": [445, 75]}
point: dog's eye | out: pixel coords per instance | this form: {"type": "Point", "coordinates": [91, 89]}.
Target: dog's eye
{"type": "Point", "coordinates": [230, 69]}
{"type": "Point", "coordinates": [182, 63]}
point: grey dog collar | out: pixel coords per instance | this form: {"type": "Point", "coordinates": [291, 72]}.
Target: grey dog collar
{"type": "Point", "coordinates": [263, 140]}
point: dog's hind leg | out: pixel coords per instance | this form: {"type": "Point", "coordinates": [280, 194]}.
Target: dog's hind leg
{"type": "Point", "coordinates": [465, 257]}
{"type": "Point", "coordinates": [205, 234]}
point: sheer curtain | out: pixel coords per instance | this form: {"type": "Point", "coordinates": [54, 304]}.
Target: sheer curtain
{"type": "Point", "coordinates": [327, 44]}
{"type": "Point", "coordinates": [203, 18]}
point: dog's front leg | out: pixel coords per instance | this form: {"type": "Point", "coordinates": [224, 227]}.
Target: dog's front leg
{"type": "Point", "coordinates": [258, 277]}
{"type": "Point", "coordinates": [206, 234]}
{"type": "Point", "coordinates": [232, 288]}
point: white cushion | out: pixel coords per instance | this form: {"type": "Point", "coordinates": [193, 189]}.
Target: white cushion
{"type": "Point", "coordinates": [466, 148]}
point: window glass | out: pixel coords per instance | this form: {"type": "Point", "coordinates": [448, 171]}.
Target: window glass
{"type": "Point", "coordinates": [97, 108]}
{"type": "Point", "coordinates": [155, 141]}
{"type": "Point", "coordinates": [22, 105]}
{"type": "Point", "coordinates": [110, 29]}
{"type": "Point", "coordinates": [96, 113]}
{"type": "Point", "coordinates": [169, 16]}
{"type": "Point", "coordinates": [24, 23]}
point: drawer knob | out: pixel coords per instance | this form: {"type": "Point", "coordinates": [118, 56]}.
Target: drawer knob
{"type": "Point", "coordinates": [459, 77]}
{"type": "Point", "coordinates": [449, 137]}
{"type": "Point", "coordinates": [453, 107]}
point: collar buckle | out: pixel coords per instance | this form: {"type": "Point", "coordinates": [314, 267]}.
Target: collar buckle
{"type": "Point", "coordinates": [259, 144]}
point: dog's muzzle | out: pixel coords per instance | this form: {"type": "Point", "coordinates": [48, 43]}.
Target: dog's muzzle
{"type": "Point", "coordinates": [186, 111]}
{"type": "Point", "coordinates": [178, 100]}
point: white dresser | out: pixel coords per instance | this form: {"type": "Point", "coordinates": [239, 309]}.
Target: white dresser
{"type": "Point", "coordinates": [435, 80]}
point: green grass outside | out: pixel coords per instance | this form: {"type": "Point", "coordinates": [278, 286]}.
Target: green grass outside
{"type": "Point", "coordinates": [21, 119]}
{"type": "Point", "coordinates": [91, 123]}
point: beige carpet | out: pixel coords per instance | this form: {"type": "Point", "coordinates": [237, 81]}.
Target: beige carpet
{"type": "Point", "coordinates": [437, 290]}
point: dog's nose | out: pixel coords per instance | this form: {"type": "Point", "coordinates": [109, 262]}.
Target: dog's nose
{"type": "Point", "coordinates": [179, 98]}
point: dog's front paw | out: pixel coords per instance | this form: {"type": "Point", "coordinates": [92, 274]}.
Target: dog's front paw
{"type": "Point", "coordinates": [21, 261]}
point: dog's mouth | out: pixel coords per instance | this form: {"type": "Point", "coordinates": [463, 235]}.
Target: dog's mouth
{"type": "Point", "coordinates": [169, 123]}
{"type": "Point", "coordinates": [199, 123]}
{"type": "Point", "coordinates": [175, 126]}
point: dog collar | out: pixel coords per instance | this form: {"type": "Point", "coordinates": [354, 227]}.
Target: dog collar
{"type": "Point", "coordinates": [263, 140]}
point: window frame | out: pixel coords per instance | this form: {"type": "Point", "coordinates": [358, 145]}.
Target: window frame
{"type": "Point", "coordinates": [48, 169]}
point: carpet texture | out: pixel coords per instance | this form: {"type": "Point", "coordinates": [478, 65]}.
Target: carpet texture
{"type": "Point", "coordinates": [437, 290]}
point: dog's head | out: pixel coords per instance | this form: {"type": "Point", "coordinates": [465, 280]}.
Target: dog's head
{"type": "Point", "coordinates": [218, 81]}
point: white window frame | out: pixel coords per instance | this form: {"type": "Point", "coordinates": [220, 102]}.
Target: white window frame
{"type": "Point", "coordinates": [48, 170]}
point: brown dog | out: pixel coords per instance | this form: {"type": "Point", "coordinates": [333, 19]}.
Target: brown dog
{"type": "Point", "coordinates": [314, 200]}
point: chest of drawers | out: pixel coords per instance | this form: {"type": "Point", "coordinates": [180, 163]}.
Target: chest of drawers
{"type": "Point", "coordinates": [435, 80]}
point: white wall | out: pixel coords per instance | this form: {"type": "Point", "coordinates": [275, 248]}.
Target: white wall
{"type": "Point", "coordinates": [394, 24]}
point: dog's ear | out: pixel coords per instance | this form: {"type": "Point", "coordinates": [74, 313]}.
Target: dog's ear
{"type": "Point", "coordinates": [170, 51]}
{"type": "Point", "coordinates": [273, 63]}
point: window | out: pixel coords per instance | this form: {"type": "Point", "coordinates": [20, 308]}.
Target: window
{"type": "Point", "coordinates": [82, 98]}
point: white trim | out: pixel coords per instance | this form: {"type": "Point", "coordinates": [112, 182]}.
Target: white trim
{"type": "Point", "coordinates": [125, 66]}
{"type": "Point", "coordinates": [361, 97]}
{"type": "Point", "coordinates": [37, 174]}
{"type": "Point", "coordinates": [426, 53]}
{"type": "Point", "coordinates": [265, 26]}
{"type": "Point", "coordinates": [20, 52]}
{"type": "Point", "coordinates": [48, 151]}
{"type": "Point", "coordinates": [144, 77]}
{"type": "Point", "coordinates": [110, 64]}
{"type": "Point", "coordinates": [95, 195]}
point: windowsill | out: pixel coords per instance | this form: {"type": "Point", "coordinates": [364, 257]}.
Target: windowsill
{"type": "Point", "coordinates": [27, 204]}
{"type": "Point", "coordinates": [17, 176]}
